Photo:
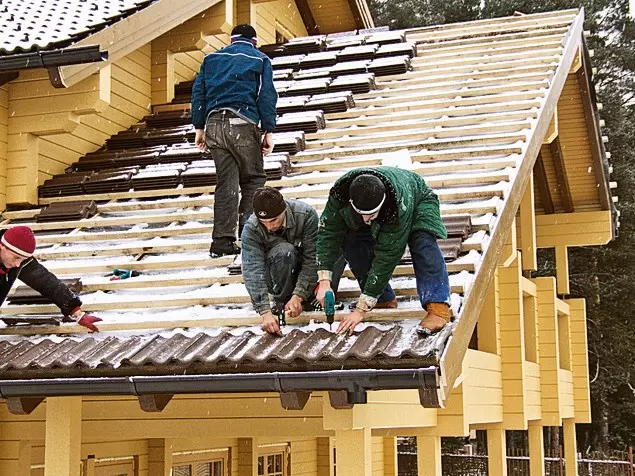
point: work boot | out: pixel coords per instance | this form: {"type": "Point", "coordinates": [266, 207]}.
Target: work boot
{"type": "Point", "coordinates": [223, 247]}
{"type": "Point", "coordinates": [439, 314]}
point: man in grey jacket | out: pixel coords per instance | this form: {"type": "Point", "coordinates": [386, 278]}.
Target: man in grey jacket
{"type": "Point", "coordinates": [278, 256]}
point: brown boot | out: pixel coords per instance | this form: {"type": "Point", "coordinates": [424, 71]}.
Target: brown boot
{"type": "Point", "coordinates": [439, 314]}
{"type": "Point", "coordinates": [387, 304]}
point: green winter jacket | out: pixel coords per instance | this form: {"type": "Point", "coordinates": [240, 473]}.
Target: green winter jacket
{"type": "Point", "coordinates": [410, 206]}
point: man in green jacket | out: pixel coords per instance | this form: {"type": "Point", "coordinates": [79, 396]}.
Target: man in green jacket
{"type": "Point", "coordinates": [371, 215]}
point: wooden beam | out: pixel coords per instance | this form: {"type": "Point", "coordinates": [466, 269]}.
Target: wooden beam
{"type": "Point", "coordinates": [527, 212]}
{"type": "Point", "coordinates": [154, 403]}
{"type": "Point", "coordinates": [574, 229]}
{"type": "Point", "coordinates": [489, 332]}
{"type": "Point", "coordinates": [429, 456]}
{"type": "Point", "coordinates": [390, 456]}
{"type": "Point", "coordinates": [540, 176]}
{"type": "Point", "coordinates": [63, 436]}
{"type": "Point", "coordinates": [160, 457]}
{"type": "Point", "coordinates": [552, 132]}
{"type": "Point", "coordinates": [294, 400]}
{"type": "Point", "coordinates": [579, 360]}
{"type": "Point", "coordinates": [496, 453]}
{"type": "Point", "coordinates": [591, 119]}
{"type": "Point", "coordinates": [89, 466]}
{"type": "Point", "coordinates": [570, 446]}
{"type": "Point", "coordinates": [562, 270]}
{"type": "Point", "coordinates": [536, 450]}
{"type": "Point", "coordinates": [339, 400]}
{"type": "Point", "coordinates": [353, 450]}
{"type": "Point", "coordinates": [561, 174]}
{"type": "Point", "coordinates": [23, 405]}
{"type": "Point", "coordinates": [307, 17]}
{"type": "Point", "coordinates": [247, 457]}
{"type": "Point", "coordinates": [325, 463]}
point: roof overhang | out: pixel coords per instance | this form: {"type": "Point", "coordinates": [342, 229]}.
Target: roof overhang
{"type": "Point", "coordinates": [345, 387]}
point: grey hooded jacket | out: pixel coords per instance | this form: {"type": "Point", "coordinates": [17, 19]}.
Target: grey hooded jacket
{"type": "Point", "coordinates": [301, 231]}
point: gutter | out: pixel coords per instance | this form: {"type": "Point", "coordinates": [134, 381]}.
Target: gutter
{"type": "Point", "coordinates": [353, 384]}
{"type": "Point", "coordinates": [53, 60]}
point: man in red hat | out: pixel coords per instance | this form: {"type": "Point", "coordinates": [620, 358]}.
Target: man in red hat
{"type": "Point", "coordinates": [17, 245]}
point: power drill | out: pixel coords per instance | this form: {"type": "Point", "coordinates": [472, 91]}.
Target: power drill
{"type": "Point", "coordinates": [329, 306]}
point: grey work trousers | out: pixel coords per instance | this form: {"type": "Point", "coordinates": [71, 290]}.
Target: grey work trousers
{"type": "Point", "coordinates": [282, 271]}
{"type": "Point", "coordinates": [235, 146]}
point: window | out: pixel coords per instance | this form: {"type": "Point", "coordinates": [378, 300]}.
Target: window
{"type": "Point", "coordinates": [201, 463]}
{"type": "Point", "coordinates": [271, 465]}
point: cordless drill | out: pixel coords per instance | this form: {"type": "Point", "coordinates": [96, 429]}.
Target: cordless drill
{"type": "Point", "coordinates": [329, 306]}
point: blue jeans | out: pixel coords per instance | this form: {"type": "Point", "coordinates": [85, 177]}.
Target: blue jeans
{"type": "Point", "coordinates": [430, 271]}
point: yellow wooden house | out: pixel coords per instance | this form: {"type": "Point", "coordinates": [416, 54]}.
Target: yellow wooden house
{"type": "Point", "coordinates": [499, 116]}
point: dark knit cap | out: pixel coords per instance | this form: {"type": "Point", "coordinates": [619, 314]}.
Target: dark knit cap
{"type": "Point", "coordinates": [366, 192]}
{"type": "Point", "coordinates": [20, 240]}
{"type": "Point", "coordinates": [245, 30]}
{"type": "Point", "coordinates": [268, 203]}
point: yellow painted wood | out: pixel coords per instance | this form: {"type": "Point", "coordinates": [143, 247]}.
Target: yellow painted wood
{"type": "Point", "coordinates": [160, 457]}
{"type": "Point", "coordinates": [508, 255]}
{"type": "Point", "coordinates": [390, 456]}
{"type": "Point", "coordinates": [564, 341]}
{"type": "Point", "coordinates": [570, 446]}
{"type": "Point", "coordinates": [489, 332]}
{"type": "Point", "coordinates": [247, 457]}
{"type": "Point", "coordinates": [497, 453]}
{"type": "Point", "coordinates": [429, 455]}
{"type": "Point", "coordinates": [4, 121]}
{"type": "Point", "coordinates": [353, 452]}
{"type": "Point", "coordinates": [579, 360]}
{"type": "Point", "coordinates": [552, 132]}
{"type": "Point", "coordinates": [530, 321]}
{"type": "Point", "coordinates": [591, 228]}
{"type": "Point", "coordinates": [325, 448]}
{"type": "Point", "coordinates": [536, 449]}
{"type": "Point", "coordinates": [15, 458]}
{"type": "Point", "coordinates": [562, 269]}
{"type": "Point", "coordinates": [63, 436]}
{"type": "Point", "coordinates": [163, 75]}
{"type": "Point", "coordinates": [528, 227]}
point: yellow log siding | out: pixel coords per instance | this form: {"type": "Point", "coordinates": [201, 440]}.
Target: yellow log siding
{"type": "Point", "coordinates": [549, 351]}
{"type": "Point", "coordinates": [512, 345]}
{"type": "Point", "coordinates": [332, 15]}
{"type": "Point", "coordinates": [574, 229]}
{"type": "Point", "coordinates": [532, 390]}
{"type": "Point", "coordinates": [15, 458]}
{"type": "Point", "coordinates": [579, 360]}
{"type": "Point", "coordinates": [324, 450]}
{"type": "Point", "coordinates": [282, 12]}
{"type": "Point", "coordinates": [187, 65]}
{"type": "Point", "coordinates": [304, 457]}
{"type": "Point", "coordinates": [49, 129]}
{"type": "Point", "coordinates": [4, 121]}
{"type": "Point", "coordinates": [567, 408]}
{"type": "Point", "coordinates": [484, 387]}
{"type": "Point", "coordinates": [378, 456]}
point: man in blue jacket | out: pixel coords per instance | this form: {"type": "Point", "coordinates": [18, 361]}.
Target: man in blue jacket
{"type": "Point", "coordinates": [232, 94]}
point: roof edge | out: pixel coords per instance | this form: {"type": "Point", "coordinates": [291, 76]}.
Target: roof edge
{"type": "Point", "coordinates": [356, 384]}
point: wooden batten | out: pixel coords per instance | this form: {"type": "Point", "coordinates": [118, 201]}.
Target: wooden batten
{"type": "Point", "coordinates": [294, 400]}
{"type": "Point", "coordinates": [155, 402]}
{"type": "Point", "coordinates": [542, 183]}
{"type": "Point", "coordinates": [23, 405]}
{"type": "Point", "coordinates": [561, 174]}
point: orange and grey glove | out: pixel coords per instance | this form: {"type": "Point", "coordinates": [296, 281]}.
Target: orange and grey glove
{"type": "Point", "coordinates": [86, 320]}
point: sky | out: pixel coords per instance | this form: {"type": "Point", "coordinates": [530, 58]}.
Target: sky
{"type": "Point", "coordinates": [632, 7]}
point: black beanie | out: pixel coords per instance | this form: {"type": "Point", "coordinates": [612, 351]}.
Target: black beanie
{"type": "Point", "coordinates": [245, 30]}
{"type": "Point", "coordinates": [268, 203]}
{"type": "Point", "coordinates": [366, 192]}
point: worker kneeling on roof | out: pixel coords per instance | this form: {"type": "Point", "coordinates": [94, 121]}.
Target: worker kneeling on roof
{"type": "Point", "coordinates": [278, 256]}
{"type": "Point", "coordinates": [371, 215]}
{"type": "Point", "coordinates": [17, 245]}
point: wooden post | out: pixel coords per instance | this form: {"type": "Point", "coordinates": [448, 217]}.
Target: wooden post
{"type": "Point", "coordinates": [159, 457]}
{"type": "Point", "coordinates": [325, 448]}
{"type": "Point", "coordinates": [163, 75]}
{"type": "Point", "coordinates": [489, 329]}
{"type": "Point", "coordinates": [528, 227]}
{"type": "Point", "coordinates": [561, 461]}
{"type": "Point", "coordinates": [390, 456]}
{"type": "Point", "coordinates": [63, 436]}
{"type": "Point", "coordinates": [630, 461]}
{"type": "Point", "coordinates": [353, 452]}
{"type": "Point", "coordinates": [496, 453]}
{"type": "Point", "coordinates": [15, 458]}
{"type": "Point", "coordinates": [570, 447]}
{"type": "Point", "coordinates": [562, 269]}
{"type": "Point", "coordinates": [429, 455]}
{"type": "Point", "coordinates": [536, 450]}
{"type": "Point", "coordinates": [247, 457]}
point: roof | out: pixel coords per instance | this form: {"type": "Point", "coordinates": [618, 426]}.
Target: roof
{"type": "Point", "coordinates": [42, 25]}
{"type": "Point", "coordinates": [466, 106]}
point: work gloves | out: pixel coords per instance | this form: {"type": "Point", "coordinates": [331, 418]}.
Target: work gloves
{"type": "Point", "coordinates": [84, 319]}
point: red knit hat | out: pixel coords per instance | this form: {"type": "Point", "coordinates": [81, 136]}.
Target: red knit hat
{"type": "Point", "coordinates": [20, 240]}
